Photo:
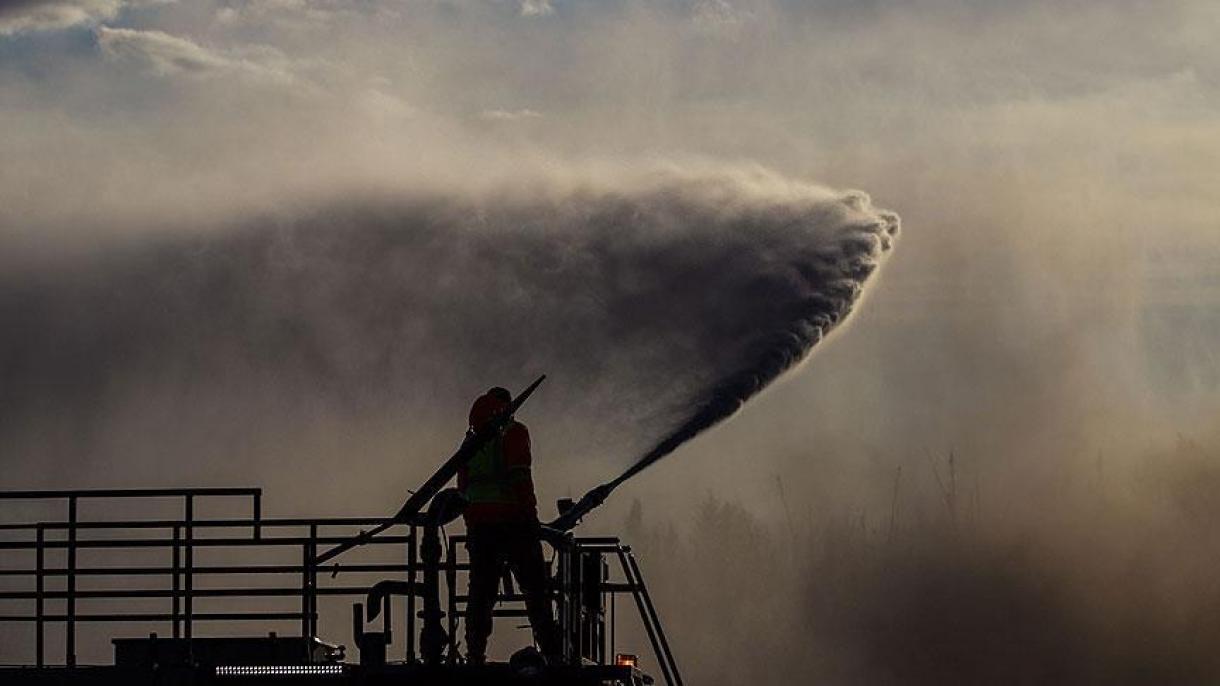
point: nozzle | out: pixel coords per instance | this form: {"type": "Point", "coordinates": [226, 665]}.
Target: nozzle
{"type": "Point", "coordinates": [571, 515]}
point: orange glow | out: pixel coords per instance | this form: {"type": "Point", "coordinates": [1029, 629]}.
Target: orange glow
{"type": "Point", "coordinates": [626, 660]}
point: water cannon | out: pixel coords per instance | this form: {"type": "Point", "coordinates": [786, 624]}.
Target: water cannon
{"type": "Point", "coordinates": [571, 513]}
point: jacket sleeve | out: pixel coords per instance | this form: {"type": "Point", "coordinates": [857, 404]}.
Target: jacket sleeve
{"type": "Point", "coordinates": [518, 460]}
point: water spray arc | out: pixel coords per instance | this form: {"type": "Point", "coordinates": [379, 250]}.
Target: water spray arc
{"type": "Point", "coordinates": [822, 288]}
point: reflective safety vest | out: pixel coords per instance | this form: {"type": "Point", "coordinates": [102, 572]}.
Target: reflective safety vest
{"type": "Point", "coordinates": [496, 481]}
{"type": "Point", "coordinates": [487, 476]}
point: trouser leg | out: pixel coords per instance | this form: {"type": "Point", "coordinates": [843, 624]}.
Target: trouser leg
{"type": "Point", "coordinates": [485, 565]}
{"type": "Point", "coordinates": [528, 565]}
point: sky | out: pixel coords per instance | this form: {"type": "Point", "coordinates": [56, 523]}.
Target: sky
{"type": "Point", "coordinates": [1053, 163]}
{"type": "Point", "coordinates": [1052, 301]}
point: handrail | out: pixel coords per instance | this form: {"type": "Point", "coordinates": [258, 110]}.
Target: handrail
{"type": "Point", "coordinates": [129, 493]}
{"type": "Point", "coordinates": [181, 614]}
{"type": "Point", "coordinates": [73, 497]}
{"type": "Point", "coordinates": [199, 523]}
{"type": "Point", "coordinates": [671, 665]}
{"type": "Point", "coordinates": [196, 542]}
{"type": "Point", "coordinates": [180, 540]}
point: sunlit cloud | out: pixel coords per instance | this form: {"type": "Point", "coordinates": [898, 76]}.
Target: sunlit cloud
{"type": "Point", "coordinates": [167, 55]}
{"type": "Point", "coordinates": [536, 8]}
{"type": "Point", "coordinates": [509, 115]}
{"type": "Point", "coordinates": [18, 16]}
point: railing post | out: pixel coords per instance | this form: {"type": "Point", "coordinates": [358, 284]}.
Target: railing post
{"type": "Point", "coordinates": [258, 514]}
{"type": "Point", "coordinates": [175, 585]}
{"type": "Point", "coordinates": [432, 637]}
{"type": "Point", "coordinates": [560, 606]}
{"type": "Point", "coordinates": [607, 610]}
{"type": "Point", "coordinates": [38, 601]}
{"type": "Point", "coordinates": [613, 645]}
{"type": "Point", "coordinates": [70, 639]}
{"type": "Point", "coordinates": [313, 581]}
{"type": "Point", "coordinates": [304, 590]}
{"type": "Point", "coordinates": [451, 585]}
{"type": "Point", "coordinates": [411, 539]}
{"type": "Point", "coordinates": [579, 610]}
{"type": "Point", "coordinates": [189, 572]}
{"type": "Point", "coordinates": [308, 579]}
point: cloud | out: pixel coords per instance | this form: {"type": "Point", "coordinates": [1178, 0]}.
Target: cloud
{"type": "Point", "coordinates": [509, 115]}
{"type": "Point", "coordinates": [536, 8]}
{"type": "Point", "coordinates": [384, 107]}
{"type": "Point", "coordinates": [167, 55]}
{"type": "Point", "coordinates": [296, 15]}
{"type": "Point", "coordinates": [45, 15]}
{"type": "Point", "coordinates": [719, 17]}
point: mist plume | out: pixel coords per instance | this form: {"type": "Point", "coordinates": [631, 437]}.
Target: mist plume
{"type": "Point", "coordinates": [805, 304]}
{"type": "Point", "coordinates": [643, 299]}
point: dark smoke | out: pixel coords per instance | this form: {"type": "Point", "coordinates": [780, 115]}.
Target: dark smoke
{"type": "Point", "coordinates": [640, 302]}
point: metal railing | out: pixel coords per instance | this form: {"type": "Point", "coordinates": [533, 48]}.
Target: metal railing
{"type": "Point", "coordinates": [580, 574]}
{"type": "Point", "coordinates": [177, 541]}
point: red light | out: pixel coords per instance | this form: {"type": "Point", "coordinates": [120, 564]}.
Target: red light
{"type": "Point", "coordinates": [626, 660]}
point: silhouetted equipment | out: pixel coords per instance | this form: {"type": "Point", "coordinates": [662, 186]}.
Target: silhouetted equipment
{"type": "Point", "coordinates": [527, 662]}
{"type": "Point", "coordinates": [156, 652]}
{"type": "Point", "coordinates": [571, 513]}
{"type": "Point", "coordinates": [63, 559]}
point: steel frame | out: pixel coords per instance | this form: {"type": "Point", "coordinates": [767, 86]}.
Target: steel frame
{"type": "Point", "coordinates": [587, 626]}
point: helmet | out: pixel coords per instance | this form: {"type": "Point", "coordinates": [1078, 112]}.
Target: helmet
{"type": "Point", "coordinates": [487, 405]}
